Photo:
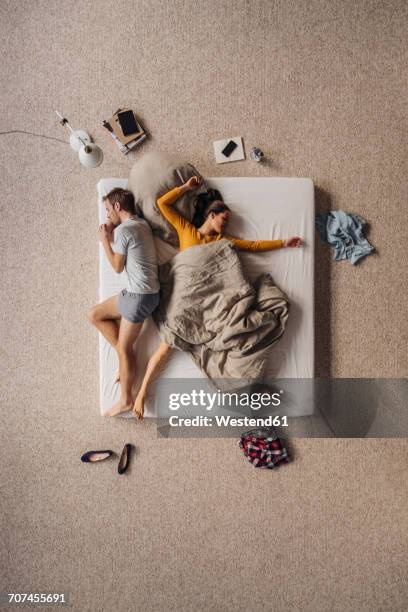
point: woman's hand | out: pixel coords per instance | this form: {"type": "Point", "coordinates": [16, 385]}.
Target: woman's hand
{"type": "Point", "coordinates": [295, 241]}
{"type": "Point", "coordinates": [193, 183]}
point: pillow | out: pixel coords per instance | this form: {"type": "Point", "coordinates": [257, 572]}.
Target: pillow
{"type": "Point", "coordinates": [151, 177]}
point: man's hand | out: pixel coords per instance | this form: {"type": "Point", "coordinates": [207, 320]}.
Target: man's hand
{"type": "Point", "coordinates": [110, 229]}
{"type": "Point", "coordinates": [193, 183]}
{"type": "Point", "coordinates": [109, 226]}
{"type": "Point", "coordinates": [103, 233]}
{"type": "Point", "coordinates": [295, 241]}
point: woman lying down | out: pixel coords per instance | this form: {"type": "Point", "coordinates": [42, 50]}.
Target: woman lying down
{"type": "Point", "coordinates": [209, 224]}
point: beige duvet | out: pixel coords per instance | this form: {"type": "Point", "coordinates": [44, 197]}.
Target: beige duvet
{"type": "Point", "coordinates": [210, 310]}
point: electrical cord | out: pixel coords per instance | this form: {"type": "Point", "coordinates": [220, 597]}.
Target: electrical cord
{"type": "Point", "coordinates": [34, 134]}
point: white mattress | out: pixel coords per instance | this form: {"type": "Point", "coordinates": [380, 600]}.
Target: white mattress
{"type": "Point", "coordinates": [263, 208]}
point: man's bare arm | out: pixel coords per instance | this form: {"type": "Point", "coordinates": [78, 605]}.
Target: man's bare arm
{"type": "Point", "coordinates": [116, 260]}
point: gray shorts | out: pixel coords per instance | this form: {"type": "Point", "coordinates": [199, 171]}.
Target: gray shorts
{"type": "Point", "coordinates": [136, 307]}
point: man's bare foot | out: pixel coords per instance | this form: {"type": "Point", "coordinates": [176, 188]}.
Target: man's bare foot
{"type": "Point", "coordinates": [138, 406]}
{"type": "Point", "coordinates": [118, 408]}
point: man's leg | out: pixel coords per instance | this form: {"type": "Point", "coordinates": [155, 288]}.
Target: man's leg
{"type": "Point", "coordinates": [156, 362]}
{"type": "Point", "coordinates": [128, 333]}
{"type": "Point", "coordinates": [106, 317]}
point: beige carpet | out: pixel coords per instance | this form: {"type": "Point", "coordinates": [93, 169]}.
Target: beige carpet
{"type": "Point", "coordinates": [321, 86]}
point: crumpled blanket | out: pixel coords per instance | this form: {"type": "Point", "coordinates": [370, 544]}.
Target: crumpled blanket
{"type": "Point", "coordinates": [210, 310]}
{"type": "Point", "coordinates": [344, 232]}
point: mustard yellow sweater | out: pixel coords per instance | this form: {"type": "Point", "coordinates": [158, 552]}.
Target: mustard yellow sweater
{"type": "Point", "coordinates": [190, 236]}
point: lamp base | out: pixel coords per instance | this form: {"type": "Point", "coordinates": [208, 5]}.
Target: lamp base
{"type": "Point", "coordinates": [74, 141]}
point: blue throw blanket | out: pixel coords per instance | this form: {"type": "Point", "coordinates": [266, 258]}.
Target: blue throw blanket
{"type": "Point", "coordinates": [345, 234]}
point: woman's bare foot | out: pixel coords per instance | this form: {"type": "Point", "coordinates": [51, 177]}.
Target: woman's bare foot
{"type": "Point", "coordinates": [138, 406]}
{"type": "Point", "coordinates": [118, 408]}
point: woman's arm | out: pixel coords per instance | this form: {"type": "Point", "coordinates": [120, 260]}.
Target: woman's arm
{"type": "Point", "coordinates": [257, 245]}
{"type": "Point", "coordinates": [264, 245]}
{"type": "Point", "coordinates": [165, 203]}
{"type": "Point", "coordinates": [171, 214]}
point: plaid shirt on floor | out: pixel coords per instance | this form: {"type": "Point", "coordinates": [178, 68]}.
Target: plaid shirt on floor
{"type": "Point", "coordinates": [263, 448]}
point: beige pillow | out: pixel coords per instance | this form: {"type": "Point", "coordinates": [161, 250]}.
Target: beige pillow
{"type": "Point", "coordinates": [151, 177]}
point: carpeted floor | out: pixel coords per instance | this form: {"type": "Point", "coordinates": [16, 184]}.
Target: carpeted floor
{"type": "Point", "coordinates": [321, 86]}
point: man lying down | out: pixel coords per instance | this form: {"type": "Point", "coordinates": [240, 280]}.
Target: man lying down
{"type": "Point", "coordinates": [208, 225]}
{"type": "Point", "coordinates": [120, 318]}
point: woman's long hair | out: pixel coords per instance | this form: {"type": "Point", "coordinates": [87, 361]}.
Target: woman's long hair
{"type": "Point", "coordinates": [207, 202]}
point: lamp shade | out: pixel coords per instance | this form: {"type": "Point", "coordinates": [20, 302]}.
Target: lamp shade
{"type": "Point", "coordinates": [78, 139]}
{"type": "Point", "coordinates": [90, 155]}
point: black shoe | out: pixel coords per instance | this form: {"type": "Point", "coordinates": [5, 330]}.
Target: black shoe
{"type": "Point", "coordinates": [124, 459]}
{"type": "Point", "coordinates": [98, 455]}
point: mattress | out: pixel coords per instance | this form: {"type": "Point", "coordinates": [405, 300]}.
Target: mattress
{"type": "Point", "coordinates": [263, 208]}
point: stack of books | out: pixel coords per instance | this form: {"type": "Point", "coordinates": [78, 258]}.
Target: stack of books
{"type": "Point", "coordinates": [130, 141]}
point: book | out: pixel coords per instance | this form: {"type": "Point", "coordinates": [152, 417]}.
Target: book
{"type": "Point", "coordinates": [124, 143]}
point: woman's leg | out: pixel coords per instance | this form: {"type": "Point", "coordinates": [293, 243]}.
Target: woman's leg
{"type": "Point", "coordinates": [128, 333]}
{"type": "Point", "coordinates": [155, 364]}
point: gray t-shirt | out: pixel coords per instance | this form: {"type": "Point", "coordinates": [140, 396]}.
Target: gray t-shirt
{"type": "Point", "coordinates": [134, 239]}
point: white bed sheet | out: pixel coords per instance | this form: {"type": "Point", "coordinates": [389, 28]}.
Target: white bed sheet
{"type": "Point", "coordinates": [263, 208]}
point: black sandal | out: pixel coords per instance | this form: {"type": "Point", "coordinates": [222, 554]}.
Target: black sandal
{"type": "Point", "coordinates": [98, 455]}
{"type": "Point", "coordinates": [124, 459]}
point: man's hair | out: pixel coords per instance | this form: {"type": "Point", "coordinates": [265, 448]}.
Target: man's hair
{"type": "Point", "coordinates": [125, 198]}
